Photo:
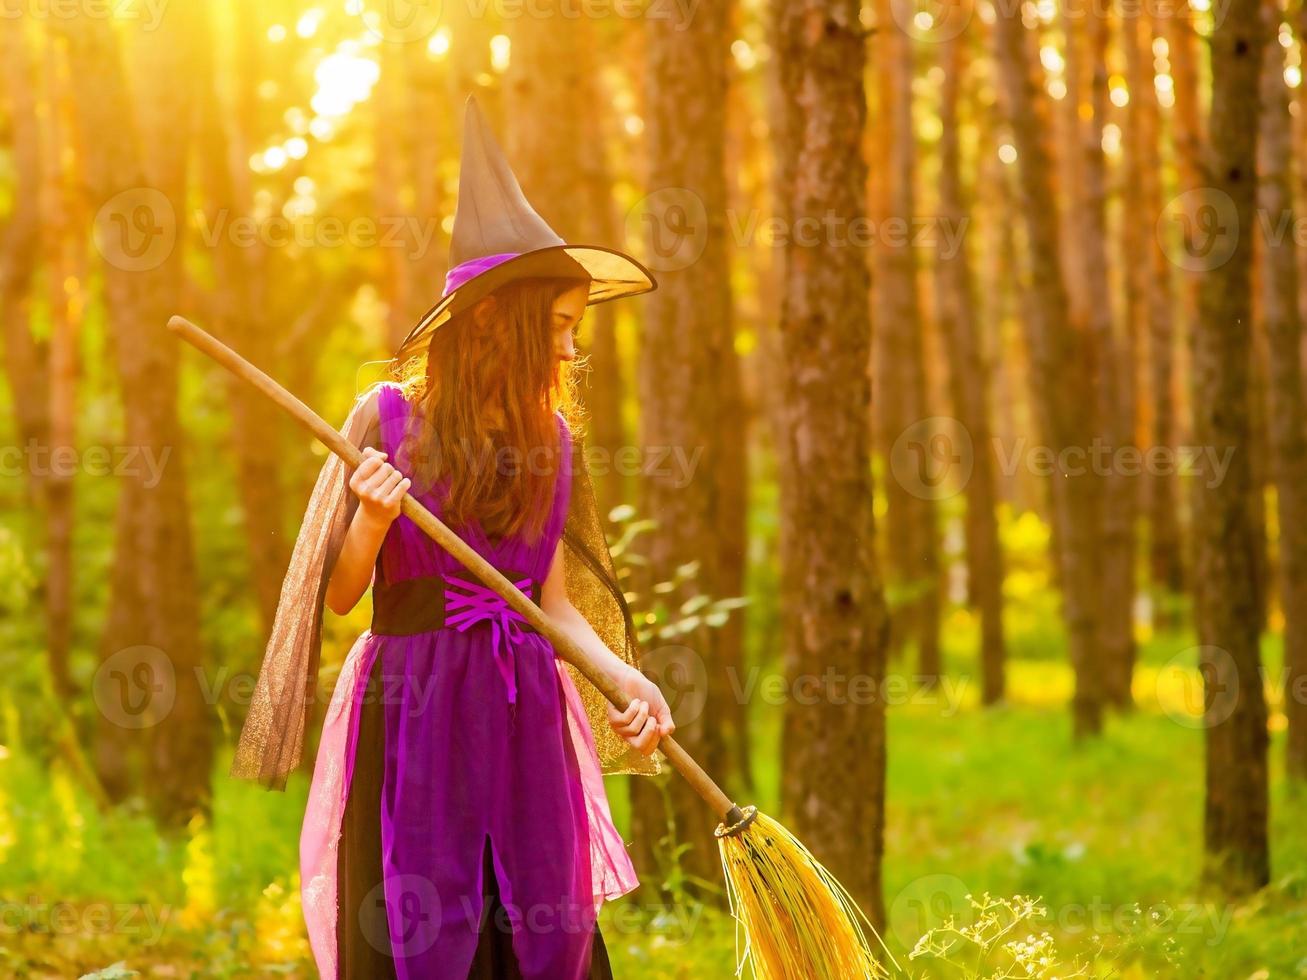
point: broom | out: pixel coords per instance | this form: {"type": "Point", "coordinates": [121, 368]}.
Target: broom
{"type": "Point", "coordinates": [799, 922]}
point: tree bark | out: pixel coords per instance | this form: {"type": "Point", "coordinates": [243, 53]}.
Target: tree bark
{"type": "Point", "coordinates": [1118, 342]}
{"type": "Point", "coordinates": [834, 750]}
{"type": "Point", "coordinates": [25, 360]}
{"type": "Point", "coordinates": [969, 382]}
{"type": "Point", "coordinates": [553, 68]}
{"type": "Point", "coordinates": [1169, 557]}
{"type": "Point", "coordinates": [1288, 420]}
{"type": "Point", "coordinates": [1062, 387]}
{"type": "Point", "coordinates": [28, 361]}
{"type": "Point", "coordinates": [240, 274]}
{"type": "Point", "coordinates": [64, 253]}
{"type": "Point", "coordinates": [1228, 610]}
{"type": "Point", "coordinates": [153, 620]}
{"type": "Point", "coordinates": [1164, 549]}
{"type": "Point", "coordinates": [900, 359]}
{"type": "Point", "coordinates": [687, 374]}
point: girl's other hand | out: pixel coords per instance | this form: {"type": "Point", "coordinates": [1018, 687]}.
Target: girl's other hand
{"type": "Point", "coordinates": [647, 718]}
{"type": "Point", "coordinates": [379, 486]}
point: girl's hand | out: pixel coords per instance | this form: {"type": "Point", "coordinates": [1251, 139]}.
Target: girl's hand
{"type": "Point", "coordinates": [379, 486]}
{"type": "Point", "coordinates": [647, 718]}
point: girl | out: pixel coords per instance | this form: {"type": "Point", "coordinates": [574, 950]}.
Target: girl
{"type": "Point", "coordinates": [461, 761]}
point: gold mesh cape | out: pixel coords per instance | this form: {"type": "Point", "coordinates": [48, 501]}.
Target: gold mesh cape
{"type": "Point", "coordinates": [271, 742]}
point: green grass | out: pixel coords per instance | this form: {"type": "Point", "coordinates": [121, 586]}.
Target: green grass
{"type": "Point", "coordinates": [1108, 835]}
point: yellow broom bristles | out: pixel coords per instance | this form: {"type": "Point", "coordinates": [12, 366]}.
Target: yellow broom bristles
{"type": "Point", "coordinates": [799, 922]}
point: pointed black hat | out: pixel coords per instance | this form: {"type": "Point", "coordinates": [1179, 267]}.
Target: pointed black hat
{"type": "Point", "coordinates": [499, 237]}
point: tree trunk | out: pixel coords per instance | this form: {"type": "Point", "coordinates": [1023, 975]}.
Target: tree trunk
{"type": "Point", "coordinates": [1062, 388]}
{"type": "Point", "coordinates": [1228, 610]}
{"type": "Point", "coordinates": [1288, 437]}
{"type": "Point", "coordinates": [834, 750]}
{"type": "Point", "coordinates": [64, 251]}
{"type": "Point", "coordinates": [552, 69]}
{"type": "Point", "coordinates": [25, 360]}
{"type": "Point", "coordinates": [686, 371]}
{"type": "Point", "coordinates": [240, 274]}
{"type": "Point", "coordinates": [149, 679]}
{"type": "Point", "coordinates": [900, 361]}
{"type": "Point", "coordinates": [1169, 558]}
{"type": "Point", "coordinates": [1071, 134]}
{"type": "Point", "coordinates": [969, 383]}
{"type": "Point", "coordinates": [1118, 343]}
{"type": "Point", "coordinates": [1111, 360]}
{"type": "Point", "coordinates": [1164, 558]}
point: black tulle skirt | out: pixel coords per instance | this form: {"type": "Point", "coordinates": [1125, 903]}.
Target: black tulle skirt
{"type": "Point", "coordinates": [360, 923]}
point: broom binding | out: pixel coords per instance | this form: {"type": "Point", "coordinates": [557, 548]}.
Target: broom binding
{"type": "Point", "coordinates": [735, 821]}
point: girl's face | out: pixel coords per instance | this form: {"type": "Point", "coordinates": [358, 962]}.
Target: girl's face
{"type": "Point", "coordinates": [566, 314]}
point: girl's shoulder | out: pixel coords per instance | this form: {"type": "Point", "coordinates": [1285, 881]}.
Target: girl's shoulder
{"type": "Point", "coordinates": [567, 433]}
{"type": "Point", "coordinates": [390, 399]}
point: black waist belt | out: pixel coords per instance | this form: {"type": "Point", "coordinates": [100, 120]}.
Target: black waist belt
{"type": "Point", "coordinates": [417, 605]}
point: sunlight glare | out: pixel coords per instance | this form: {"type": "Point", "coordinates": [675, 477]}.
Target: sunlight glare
{"type": "Point", "coordinates": [1111, 139]}
{"type": "Point", "coordinates": [744, 56]}
{"type": "Point", "coordinates": [501, 49]}
{"type": "Point", "coordinates": [438, 46]}
{"type": "Point", "coordinates": [308, 24]}
{"type": "Point", "coordinates": [344, 80]}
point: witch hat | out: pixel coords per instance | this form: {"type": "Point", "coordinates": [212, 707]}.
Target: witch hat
{"type": "Point", "coordinates": [499, 237]}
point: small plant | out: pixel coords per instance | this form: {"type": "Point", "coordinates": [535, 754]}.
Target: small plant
{"type": "Point", "coordinates": [990, 947]}
{"type": "Point", "coordinates": [658, 616]}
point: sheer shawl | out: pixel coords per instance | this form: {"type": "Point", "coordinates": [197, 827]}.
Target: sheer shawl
{"type": "Point", "coordinates": [271, 742]}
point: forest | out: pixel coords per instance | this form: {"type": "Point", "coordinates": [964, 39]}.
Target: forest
{"type": "Point", "coordinates": [955, 472]}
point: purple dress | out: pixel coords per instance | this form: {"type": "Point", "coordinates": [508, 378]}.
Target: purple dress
{"type": "Point", "coordinates": [476, 754]}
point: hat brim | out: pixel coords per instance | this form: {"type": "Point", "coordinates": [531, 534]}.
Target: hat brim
{"type": "Point", "coordinates": [612, 274]}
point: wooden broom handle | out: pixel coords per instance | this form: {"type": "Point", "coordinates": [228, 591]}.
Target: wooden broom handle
{"type": "Point", "coordinates": [456, 546]}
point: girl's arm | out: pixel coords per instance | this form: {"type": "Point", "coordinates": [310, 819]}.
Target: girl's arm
{"type": "Point", "coordinates": [380, 489]}
{"type": "Point", "coordinates": [647, 718]}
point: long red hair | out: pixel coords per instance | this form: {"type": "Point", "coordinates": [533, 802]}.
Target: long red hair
{"type": "Point", "coordinates": [500, 478]}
